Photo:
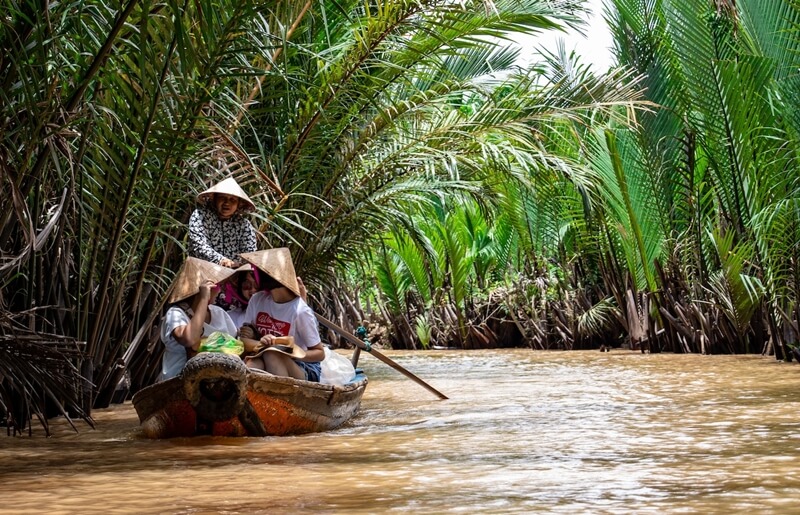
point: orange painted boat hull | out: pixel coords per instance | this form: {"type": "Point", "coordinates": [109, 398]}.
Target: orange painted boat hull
{"type": "Point", "coordinates": [274, 406]}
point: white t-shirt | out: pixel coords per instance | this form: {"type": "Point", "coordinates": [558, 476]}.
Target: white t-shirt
{"type": "Point", "coordinates": [293, 318]}
{"type": "Point", "coordinates": [175, 354]}
{"type": "Point", "coordinates": [237, 315]}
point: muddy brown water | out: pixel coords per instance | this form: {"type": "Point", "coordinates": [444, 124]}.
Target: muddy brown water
{"type": "Point", "coordinates": [523, 432]}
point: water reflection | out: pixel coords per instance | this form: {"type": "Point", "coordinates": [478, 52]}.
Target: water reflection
{"type": "Point", "coordinates": [523, 432]}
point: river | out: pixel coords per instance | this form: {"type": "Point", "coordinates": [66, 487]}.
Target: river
{"type": "Point", "coordinates": [523, 432]}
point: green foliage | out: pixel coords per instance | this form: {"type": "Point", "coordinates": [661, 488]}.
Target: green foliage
{"type": "Point", "coordinates": [737, 294]}
{"type": "Point", "coordinates": [423, 330]}
{"type": "Point", "coordinates": [598, 319]}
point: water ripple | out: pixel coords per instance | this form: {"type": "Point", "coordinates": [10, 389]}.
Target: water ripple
{"type": "Point", "coordinates": [523, 432]}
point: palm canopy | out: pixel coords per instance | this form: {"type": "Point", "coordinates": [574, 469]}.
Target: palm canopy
{"type": "Point", "coordinates": [714, 158]}
{"type": "Point", "coordinates": [396, 106]}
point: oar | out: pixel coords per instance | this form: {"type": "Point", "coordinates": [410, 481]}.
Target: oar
{"type": "Point", "coordinates": [360, 345]}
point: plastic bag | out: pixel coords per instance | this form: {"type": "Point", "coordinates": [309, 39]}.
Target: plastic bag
{"type": "Point", "coordinates": [336, 369]}
{"type": "Point", "coordinates": [221, 342]}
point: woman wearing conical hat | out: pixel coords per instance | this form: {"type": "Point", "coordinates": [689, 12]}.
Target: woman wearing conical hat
{"type": "Point", "coordinates": [219, 231]}
{"type": "Point", "coordinates": [281, 312]}
{"type": "Point", "coordinates": [192, 314]}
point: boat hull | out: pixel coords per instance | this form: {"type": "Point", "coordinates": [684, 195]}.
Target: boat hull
{"type": "Point", "coordinates": [272, 406]}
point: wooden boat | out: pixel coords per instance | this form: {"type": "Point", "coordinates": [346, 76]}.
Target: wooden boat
{"type": "Point", "coordinates": [216, 394]}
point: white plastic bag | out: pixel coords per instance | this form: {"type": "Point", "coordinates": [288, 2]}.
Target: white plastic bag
{"type": "Point", "coordinates": [336, 369]}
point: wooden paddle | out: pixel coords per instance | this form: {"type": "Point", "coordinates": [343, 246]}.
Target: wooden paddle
{"type": "Point", "coordinates": [361, 345]}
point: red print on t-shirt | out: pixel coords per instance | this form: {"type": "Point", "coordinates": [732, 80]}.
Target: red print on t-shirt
{"type": "Point", "coordinates": [268, 325]}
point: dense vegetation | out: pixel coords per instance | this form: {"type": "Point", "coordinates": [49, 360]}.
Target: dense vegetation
{"type": "Point", "coordinates": [414, 170]}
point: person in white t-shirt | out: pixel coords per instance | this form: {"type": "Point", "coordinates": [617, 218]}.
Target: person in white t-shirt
{"type": "Point", "coordinates": [280, 312]}
{"type": "Point", "coordinates": [239, 289]}
{"type": "Point", "coordinates": [192, 314]}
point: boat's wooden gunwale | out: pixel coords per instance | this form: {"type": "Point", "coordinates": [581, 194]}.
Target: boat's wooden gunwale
{"type": "Point", "coordinates": [283, 404]}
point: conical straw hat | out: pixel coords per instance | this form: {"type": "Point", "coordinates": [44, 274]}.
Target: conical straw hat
{"type": "Point", "coordinates": [277, 263]}
{"type": "Point", "coordinates": [192, 274]}
{"type": "Point", "coordinates": [229, 187]}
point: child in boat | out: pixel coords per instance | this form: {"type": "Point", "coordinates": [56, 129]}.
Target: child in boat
{"type": "Point", "coordinates": [237, 293]}
{"type": "Point", "coordinates": [281, 312]}
{"type": "Point", "coordinates": [192, 314]}
{"type": "Point", "coordinates": [218, 230]}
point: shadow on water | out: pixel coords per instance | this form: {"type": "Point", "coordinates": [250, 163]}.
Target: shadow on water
{"type": "Point", "coordinates": [547, 432]}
